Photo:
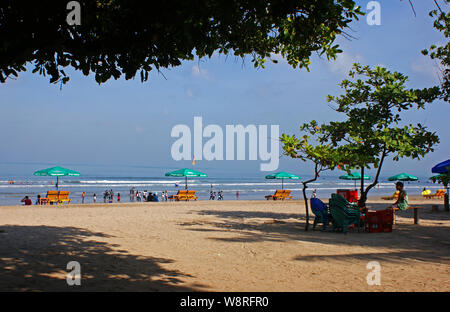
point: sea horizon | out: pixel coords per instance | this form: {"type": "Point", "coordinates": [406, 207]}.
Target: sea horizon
{"type": "Point", "coordinates": [250, 186]}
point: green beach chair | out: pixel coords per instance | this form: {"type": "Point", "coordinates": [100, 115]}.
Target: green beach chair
{"type": "Point", "coordinates": [344, 213]}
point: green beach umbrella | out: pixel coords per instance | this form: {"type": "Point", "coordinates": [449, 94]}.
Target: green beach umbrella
{"type": "Point", "coordinates": [282, 175]}
{"type": "Point", "coordinates": [185, 173]}
{"type": "Point", "coordinates": [58, 172]}
{"type": "Point", "coordinates": [403, 177]}
{"type": "Point", "coordinates": [354, 176]}
{"type": "Point", "coordinates": [443, 178]}
{"type": "Point", "coordinates": [440, 177]}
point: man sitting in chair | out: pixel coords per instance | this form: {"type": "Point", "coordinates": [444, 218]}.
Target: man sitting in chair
{"type": "Point", "coordinates": [402, 200]}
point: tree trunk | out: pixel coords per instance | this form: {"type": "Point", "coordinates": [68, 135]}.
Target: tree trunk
{"type": "Point", "coordinates": [305, 186]}
{"type": "Point", "coordinates": [446, 205]}
{"type": "Point", "coordinates": [363, 199]}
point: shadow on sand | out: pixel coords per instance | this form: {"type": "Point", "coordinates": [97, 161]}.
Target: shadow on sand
{"type": "Point", "coordinates": [420, 242]}
{"type": "Point", "coordinates": [35, 258]}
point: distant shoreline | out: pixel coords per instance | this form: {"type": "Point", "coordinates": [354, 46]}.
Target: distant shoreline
{"type": "Point", "coordinates": [371, 199]}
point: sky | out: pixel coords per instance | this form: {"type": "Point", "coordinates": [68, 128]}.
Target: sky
{"type": "Point", "coordinates": [129, 123]}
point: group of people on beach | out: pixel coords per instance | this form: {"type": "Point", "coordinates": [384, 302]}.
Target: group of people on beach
{"type": "Point", "coordinates": [108, 196]}
{"type": "Point", "coordinates": [143, 196]}
{"type": "Point", "coordinates": [212, 195]}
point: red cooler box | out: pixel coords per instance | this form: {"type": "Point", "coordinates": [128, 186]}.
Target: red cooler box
{"type": "Point", "coordinates": [379, 221]}
{"type": "Point", "coordinates": [350, 195]}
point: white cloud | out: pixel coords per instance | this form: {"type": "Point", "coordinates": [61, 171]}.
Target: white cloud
{"type": "Point", "coordinates": [200, 73]}
{"type": "Point", "coordinates": [344, 62]}
{"type": "Point", "coordinates": [425, 66]}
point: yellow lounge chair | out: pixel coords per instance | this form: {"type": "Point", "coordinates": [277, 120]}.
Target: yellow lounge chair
{"type": "Point", "coordinates": [191, 195]}
{"type": "Point", "coordinates": [180, 195]}
{"type": "Point", "coordinates": [52, 197]}
{"type": "Point", "coordinates": [278, 195]}
{"type": "Point", "coordinates": [63, 196]}
{"type": "Point", "coordinates": [175, 196]}
{"type": "Point", "coordinates": [438, 194]}
{"type": "Point", "coordinates": [286, 195]}
{"type": "Point", "coordinates": [394, 196]}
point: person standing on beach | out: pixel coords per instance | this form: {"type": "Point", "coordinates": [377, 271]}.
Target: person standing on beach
{"type": "Point", "coordinates": [38, 200]}
{"type": "Point", "coordinates": [118, 197]}
{"type": "Point", "coordinates": [95, 198]}
{"type": "Point", "coordinates": [82, 197]}
{"type": "Point", "coordinates": [138, 196]}
{"type": "Point", "coordinates": [237, 194]}
{"type": "Point", "coordinates": [132, 194]}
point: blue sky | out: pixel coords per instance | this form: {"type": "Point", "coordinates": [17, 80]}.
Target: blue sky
{"type": "Point", "coordinates": [129, 122]}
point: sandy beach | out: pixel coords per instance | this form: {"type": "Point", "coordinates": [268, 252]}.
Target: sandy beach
{"type": "Point", "coordinates": [216, 246]}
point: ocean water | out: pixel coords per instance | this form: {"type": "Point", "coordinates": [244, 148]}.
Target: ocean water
{"type": "Point", "coordinates": [98, 179]}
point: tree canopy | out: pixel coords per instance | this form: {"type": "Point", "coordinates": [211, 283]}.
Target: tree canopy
{"type": "Point", "coordinates": [442, 53]}
{"type": "Point", "coordinates": [373, 104]}
{"type": "Point", "coordinates": [131, 37]}
{"type": "Point", "coordinates": [313, 146]}
{"type": "Point", "coordinates": [371, 128]}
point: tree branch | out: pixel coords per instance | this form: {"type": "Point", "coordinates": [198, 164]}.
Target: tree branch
{"type": "Point", "coordinates": [375, 182]}
{"type": "Point", "coordinates": [438, 6]}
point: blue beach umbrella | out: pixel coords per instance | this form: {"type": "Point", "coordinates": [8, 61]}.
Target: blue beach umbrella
{"type": "Point", "coordinates": [442, 167]}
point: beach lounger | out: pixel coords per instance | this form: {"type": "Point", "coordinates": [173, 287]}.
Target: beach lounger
{"type": "Point", "coordinates": [438, 194]}
{"type": "Point", "coordinates": [321, 213]}
{"type": "Point", "coordinates": [52, 197]}
{"type": "Point", "coordinates": [286, 194]}
{"type": "Point", "coordinates": [177, 195]}
{"type": "Point", "coordinates": [344, 214]}
{"type": "Point", "coordinates": [278, 195]}
{"type": "Point", "coordinates": [63, 196]}
{"type": "Point", "coordinates": [183, 195]}
{"type": "Point", "coordinates": [191, 195]}
{"type": "Point", "coordinates": [394, 196]}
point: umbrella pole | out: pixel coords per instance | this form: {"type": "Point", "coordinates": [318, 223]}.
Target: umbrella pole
{"type": "Point", "coordinates": [186, 183]}
{"type": "Point", "coordinates": [57, 182]}
{"type": "Point", "coordinates": [282, 184]}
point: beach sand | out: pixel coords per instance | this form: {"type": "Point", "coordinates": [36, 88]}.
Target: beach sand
{"type": "Point", "coordinates": [216, 246]}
